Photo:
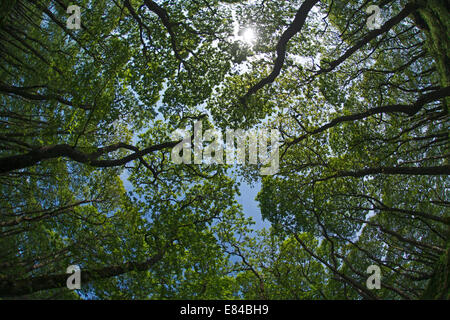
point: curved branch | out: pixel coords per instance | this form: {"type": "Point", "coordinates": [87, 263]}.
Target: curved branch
{"type": "Point", "coordinates": [18, 91]}
{"type": "Point", "coordinates": [9, 288]}
{"type": "Point", "coordinates": [293, 29]}
{"type": "Point", "coordinates": [64, 150]}
{"type": "Point", "coordinates": [409, 110]}
{"type": "Point", "coordinates": [416, 171]}
{"type": "Point", "coordinates": [164, 17]}
{"type": "Point", "coordinates": [407, 10]}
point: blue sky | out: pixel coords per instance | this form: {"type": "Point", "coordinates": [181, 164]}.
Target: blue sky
{"type": "Point", "coordinates": [246, 199]}
{"type": "Point", "coordinates": [250, 205]}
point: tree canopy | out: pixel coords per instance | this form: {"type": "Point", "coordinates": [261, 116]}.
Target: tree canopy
{"type": "Point", "coordinates": [86, 123]}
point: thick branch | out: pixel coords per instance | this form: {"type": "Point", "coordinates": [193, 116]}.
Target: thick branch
{"type": "Point", "coordinates": [409, 110]}
{"type": "Point", "coordinates": [164, 17]}
{"type": "Point", "coordinates": [17, 162]}
{"type": "Point", "coordinates": [416, 171]}
{"type": "Point", "coordinates": [9, 288]}
{"type": "Point", "coordinates": [409, 8]}
{"type": "Point", "coordinates": [38, 97]}
{"type": "Point", "coordinates": [293, 29]}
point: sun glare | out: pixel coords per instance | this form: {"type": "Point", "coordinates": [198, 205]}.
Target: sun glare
{"type": "Point", "coordinates": [248, 35]}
